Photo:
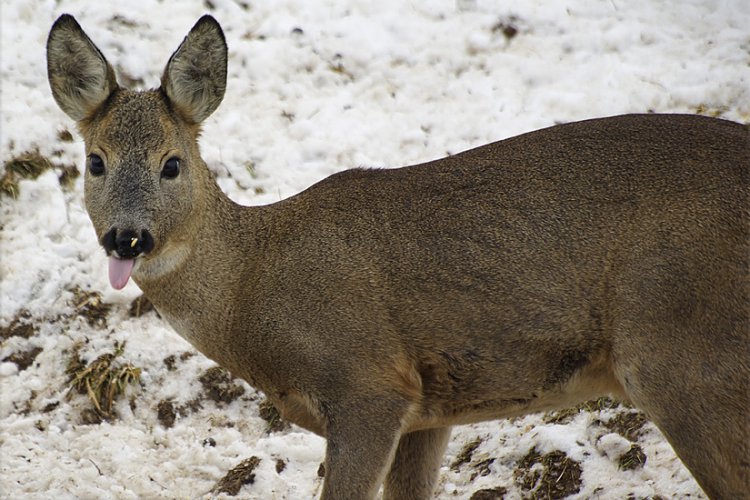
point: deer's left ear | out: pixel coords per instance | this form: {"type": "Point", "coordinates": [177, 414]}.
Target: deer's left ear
{"type": "Point", "coordinates": [80, 77]}
{"type": "Point", "coordinates": [196, 75]}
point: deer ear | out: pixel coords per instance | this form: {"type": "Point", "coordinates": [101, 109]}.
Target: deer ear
{"type": "Point", "coordinates": [80, 77]}
{"type": "Point", "coordinates": [196, 75]}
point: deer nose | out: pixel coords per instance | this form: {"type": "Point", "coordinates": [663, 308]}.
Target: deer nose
{"type": "Point", "coordinates": [127, 243]}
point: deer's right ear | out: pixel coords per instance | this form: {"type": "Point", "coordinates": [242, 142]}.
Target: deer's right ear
{"type": "Point", "coordinates": [196, 75]}
{"type": "Point", "coordinates": [80, 77]}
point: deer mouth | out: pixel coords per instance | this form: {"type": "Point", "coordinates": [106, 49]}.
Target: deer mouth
{"type": "Point", "coordinates": [120, 271]}
{"type": "Point", "coordinates": [123, 248]}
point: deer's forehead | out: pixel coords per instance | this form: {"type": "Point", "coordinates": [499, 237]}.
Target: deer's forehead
{"type": "Point", "coordinates": [137, 121]}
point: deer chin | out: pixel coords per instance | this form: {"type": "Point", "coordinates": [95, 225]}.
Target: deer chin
{"type": "Point", "coordinates": [161, 262]}
{"type": "Point", "coordinates": [120, 271]}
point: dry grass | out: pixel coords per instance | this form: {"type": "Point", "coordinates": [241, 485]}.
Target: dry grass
{"type": "Point", "coordinates": [103, 380]}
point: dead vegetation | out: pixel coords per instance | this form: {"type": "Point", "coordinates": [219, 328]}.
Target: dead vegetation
{"type": "Point", "coordinates": [566, 415]}
{"type": "Point", "coordinates": [103, 380]}
{"type": "Point", "coordinates": [30, 165]}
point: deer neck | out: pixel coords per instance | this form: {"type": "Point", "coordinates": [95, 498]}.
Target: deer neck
{"type": "Point", "coordinates": [195, 278]}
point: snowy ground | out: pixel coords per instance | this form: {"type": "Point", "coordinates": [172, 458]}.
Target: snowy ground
{"type": "Point", "coordinates": [314, 87]}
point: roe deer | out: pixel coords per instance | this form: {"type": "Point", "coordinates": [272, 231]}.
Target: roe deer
{"type": "Point", "coordinates": [380, 307]}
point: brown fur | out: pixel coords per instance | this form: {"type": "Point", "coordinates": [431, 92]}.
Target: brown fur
{"type": "Point", "coordinates": [380, 307]}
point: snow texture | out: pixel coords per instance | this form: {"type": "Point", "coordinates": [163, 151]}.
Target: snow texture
{"type": "Point", "coordinates": [314, 87]}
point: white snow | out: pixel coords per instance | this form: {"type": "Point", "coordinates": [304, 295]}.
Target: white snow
{"type": "Point", "coordinates": [314, 87]}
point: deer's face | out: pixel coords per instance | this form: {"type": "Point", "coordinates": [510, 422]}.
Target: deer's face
{"type": "Point", "coordinates": [144, 176]}
{"type": "Point", "coordinates": [140, 180]}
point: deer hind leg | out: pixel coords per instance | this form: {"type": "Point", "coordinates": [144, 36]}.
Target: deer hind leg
{"type": "Point", "coordinates": [698, 395]}
{"type": "Point", "coordinates": [415, 467]}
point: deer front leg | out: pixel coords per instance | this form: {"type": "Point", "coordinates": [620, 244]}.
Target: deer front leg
{"type": "Point", "coordinates": [415, 467]}
{"type": "Point", "coordinates": [362, 440]}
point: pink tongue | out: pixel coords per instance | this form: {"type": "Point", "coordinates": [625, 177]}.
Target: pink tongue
{"type": "Point", "coordinates": [119, 272]}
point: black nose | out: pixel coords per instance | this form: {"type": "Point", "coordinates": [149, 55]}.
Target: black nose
{"type": "Point", "coordinates": [127, 243]}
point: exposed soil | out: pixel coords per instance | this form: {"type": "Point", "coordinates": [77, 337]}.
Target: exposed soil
{"type": "Point", "coordinates": [627, 424]}
{"type": "Point", "coordinates": [271, 415]}
{"type": "Point", "coordinates": [634, 458]}
{"type": "Point", "coordinates": [220, 386]}
{"type": "Point", "coordinates": [242, 474]}
{"type": "Point", "coordinates": [497, 493]}
{"type": "Point", "coordinates": [280, 465]}
{"type": "Point", "coordinates": [550, 476]}
{"type": "Point", "coordinates": [165, 412]}
{"type": "Point", "coordinates": [21, 326]}
{"type": "Point", "coordinates": [89, 304]}
{"type": "Point", "coordinates": [464, 457]}
{"type": "Point", "coordinates": [24, 359]}
{"type": "Point", "coordinates": [140, 306]}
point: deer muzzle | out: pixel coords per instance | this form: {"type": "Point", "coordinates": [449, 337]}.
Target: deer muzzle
{"type": "Point", "coordinates": [123, 246]}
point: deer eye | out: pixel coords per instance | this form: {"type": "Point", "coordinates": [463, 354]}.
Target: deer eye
{"type": "Point", "coordinates": [171, 168]}
{"type": "Point", "coordinates": [96, 165]}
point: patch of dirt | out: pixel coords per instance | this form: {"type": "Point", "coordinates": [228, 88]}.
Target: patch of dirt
{"type": "Point", "coordinates": [170, 362]}
{"type": "Point", "coordinates": [166, 413]}
{"type": "Point", "coordinates": [628, 424]}
{"type": "Point", "coordinates": [634, 458]}
{"type": "Point", "coordinates": [191, 406]}
{"type": "Point", "coordinates": [220, 385]}
{"type": "Point", "coordinates": [24, 359]}
{"type": "Point", "coordinates": [90, 305]}
{"type": "Point", "coordinates": [464, 457]}
{"type": "Point", "coordinates": [68, 175]}
{"type": "Point", "coordinates": [280, 466]}
{"type": "Point", "coordinates": [271, 415]}
{"type": "Point", "coordinates": [322, 470]}
{"type": "Point", "coordinates": [20, 326]}
{"type": "Point", "coordinates": [242, 474]}
{"type": "Point", "coordinates": [507, 26]}
{"type": "Point", "coordinates": [140, 306]}
{"type": "Point", "coordinates": [550, 476]}
{"type": "Point", "coordinates": [50, 406]}
{"type": "Point", "coordinates": [489, 494]}
{"type": "Point", "coordinates": [65, 136]}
